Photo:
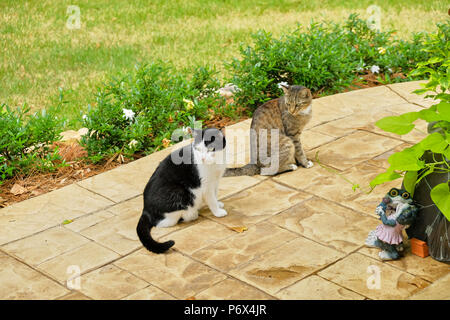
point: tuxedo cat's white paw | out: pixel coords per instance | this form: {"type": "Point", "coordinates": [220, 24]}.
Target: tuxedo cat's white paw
{"type": "Point", "coordinates": [309, 164]}
{"type": "Point", "coordinates": [220, 204]}
{"type": "Point", "coordinates": [220, 213]}
{"type": "Point", "coordinates": [293, 167]}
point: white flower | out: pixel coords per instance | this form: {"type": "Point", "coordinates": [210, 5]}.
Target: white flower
{"type": "Point", "coordinates": [282, 84]}
{"type": "Point", "coordinates": [390, 70]}
{"type": "Point", "coordinates": [84, 116]}
{"type": "Point", "coordinates": [375, 69]}
{"type": "Point", "coordinates": [381, 50]}
{"type": "Point", "coordinates": [128, 114]}
{"type": "Point", "coordinates": [359, 69]}
{"type": "Point", "coordinates": [132, 143]}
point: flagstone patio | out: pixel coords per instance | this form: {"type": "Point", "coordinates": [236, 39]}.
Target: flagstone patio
{"type": "Point", "coordinates": [305, 229]}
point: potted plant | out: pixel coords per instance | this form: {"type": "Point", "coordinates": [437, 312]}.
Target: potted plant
{"type": "Point", "coordinates": [425, 167]}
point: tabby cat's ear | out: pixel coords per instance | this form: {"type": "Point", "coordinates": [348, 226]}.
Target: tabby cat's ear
{"type": "Point", "coordinates": [306, 93]}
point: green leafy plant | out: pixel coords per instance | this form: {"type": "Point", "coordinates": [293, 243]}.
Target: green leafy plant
{"type": "Point", "coordinates": [409, 163]}
{"type": "Point", "coordinates": [326, 57]}
{"type": "Point", "coordinates": [138, 112]}
{"type": "Point", "coordinates": [26, 139]}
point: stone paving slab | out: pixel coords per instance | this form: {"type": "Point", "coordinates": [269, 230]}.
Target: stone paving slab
{"type": "Point", "coordinates": [231, 289]}
{"type": "Point", "coordinates": [328, 223]}
{"type": "Point", "coordinates": [48, 210]}
{"type": "Point", "coordinates": [354, 271]}
{"type": "Point", "coordinates": [317, 288]}
{"type": "Point", "coordinates": [19, 281]}
{"type": "Point", "coordinates": [426, 268]}
{"type": "Point", "coordinates": [110, 282]}
{"type": "Point", "coordinates": [243, 247]}
{"type": "Point", "coordinates": [256, 204]}
{"type": "Point", "coordinates": [436, 291]}
{"type": "Point", "coordinates": [45, 245]}
{"type": "Point", "coordinates": [405, 90]}
{"type": "Point", "coordinates": [150, 293]}
{"type": "Point", "coordinates": [343, 154]}
{"type": "Point", "coordinates": [85, 258]}
{"type": "Point", "coordinates": [299, 235]}
{"type": "Point", "coordinates": [285, 265]}
{"type": "Point", "coordinates": [176, 273]}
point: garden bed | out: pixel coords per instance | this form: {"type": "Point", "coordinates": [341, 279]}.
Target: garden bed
{"type": "Point", "coordinates": [23, 187]}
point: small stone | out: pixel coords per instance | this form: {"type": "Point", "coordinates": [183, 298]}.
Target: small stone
{"type": "Point", "coordinates": [17, 189]}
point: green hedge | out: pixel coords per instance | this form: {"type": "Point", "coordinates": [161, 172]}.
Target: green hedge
{"type": "Point", "coordinates": [327, 57]}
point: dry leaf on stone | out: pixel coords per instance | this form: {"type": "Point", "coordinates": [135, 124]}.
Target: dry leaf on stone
{"type": "Point", "coordinates": [239, 229]}
{"type": "Point", "coordinates": [67, 221]}
{"type": "Point", "coordinates": [17, 189]}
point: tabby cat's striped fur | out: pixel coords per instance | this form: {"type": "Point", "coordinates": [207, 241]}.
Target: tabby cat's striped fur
{"type": "Point", "coordinates": [289, 114]}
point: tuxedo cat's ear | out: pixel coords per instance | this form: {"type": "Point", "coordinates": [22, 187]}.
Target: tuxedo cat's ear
{"type": "Point", "coordinates": [188, 131]}
{"type": "Point", "coordinates": [194, 132]}
{"type": "Point", "coordinates": [197, 134]}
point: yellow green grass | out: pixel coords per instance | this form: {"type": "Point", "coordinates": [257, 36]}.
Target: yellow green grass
{"type": "Point", "coordinates": [39, 54]}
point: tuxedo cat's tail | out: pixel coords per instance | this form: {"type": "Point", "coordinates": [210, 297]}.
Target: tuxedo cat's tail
{"type": "Point", "coordinates": [143, 230]}
{"type": "Point", "coordinates": [247, 170]}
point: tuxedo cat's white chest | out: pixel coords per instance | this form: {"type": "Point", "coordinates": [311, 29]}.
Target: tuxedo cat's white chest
{"type": "Point", "coordinates": [210, 174]}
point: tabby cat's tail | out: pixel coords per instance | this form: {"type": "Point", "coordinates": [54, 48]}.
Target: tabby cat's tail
{"type": "Point", "coordinates": [143, 230]}
{"type": "Point", "coordinates": [247, 170]}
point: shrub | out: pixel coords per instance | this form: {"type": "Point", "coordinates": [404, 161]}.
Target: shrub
{"type": "Point", "coordinates": [25, 141]}
{"type": "Point", "coordinates": [326, 58]}
{"type": "Point", "coordinates": [135, 113]}
{"type": "Point", "coordinates": [317, 59]}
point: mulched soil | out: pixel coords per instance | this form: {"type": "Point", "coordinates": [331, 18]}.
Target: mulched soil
{"type": "Point", "coordinates": [23, 187]}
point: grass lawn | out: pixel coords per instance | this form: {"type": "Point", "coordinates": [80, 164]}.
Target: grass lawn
{"type": "Point", "coordinates": [39, 54]}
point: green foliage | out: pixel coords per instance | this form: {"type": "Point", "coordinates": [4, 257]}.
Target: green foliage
{"type": "Point", "coordinates": [409, 163]}
{"type": "Point", "coordinates": [25, 141]}
{"type": "Point", "coordinates": [326, 58]}
{"type": "Point", "coordinates": [158, 99]}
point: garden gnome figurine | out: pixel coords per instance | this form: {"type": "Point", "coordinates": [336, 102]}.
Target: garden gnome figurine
{"type": "Point", "coordinates": [397, 211]}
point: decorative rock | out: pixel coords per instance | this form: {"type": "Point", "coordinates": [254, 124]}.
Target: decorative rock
{"type": "Point", "coordinates": [73, 135]}
{"type": "Point", "coordinates": [229, 90]}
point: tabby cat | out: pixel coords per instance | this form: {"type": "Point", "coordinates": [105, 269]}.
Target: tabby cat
{"type": "Point", "coordinates": [275, 134]}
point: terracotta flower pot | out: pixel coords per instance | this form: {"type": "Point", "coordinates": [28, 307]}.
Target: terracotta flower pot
{"type": "Point", "coordinates": [419, 248]}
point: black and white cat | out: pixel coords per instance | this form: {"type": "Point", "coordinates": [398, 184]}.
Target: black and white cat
{"type": "Point", "coordinates": [181, 184]}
